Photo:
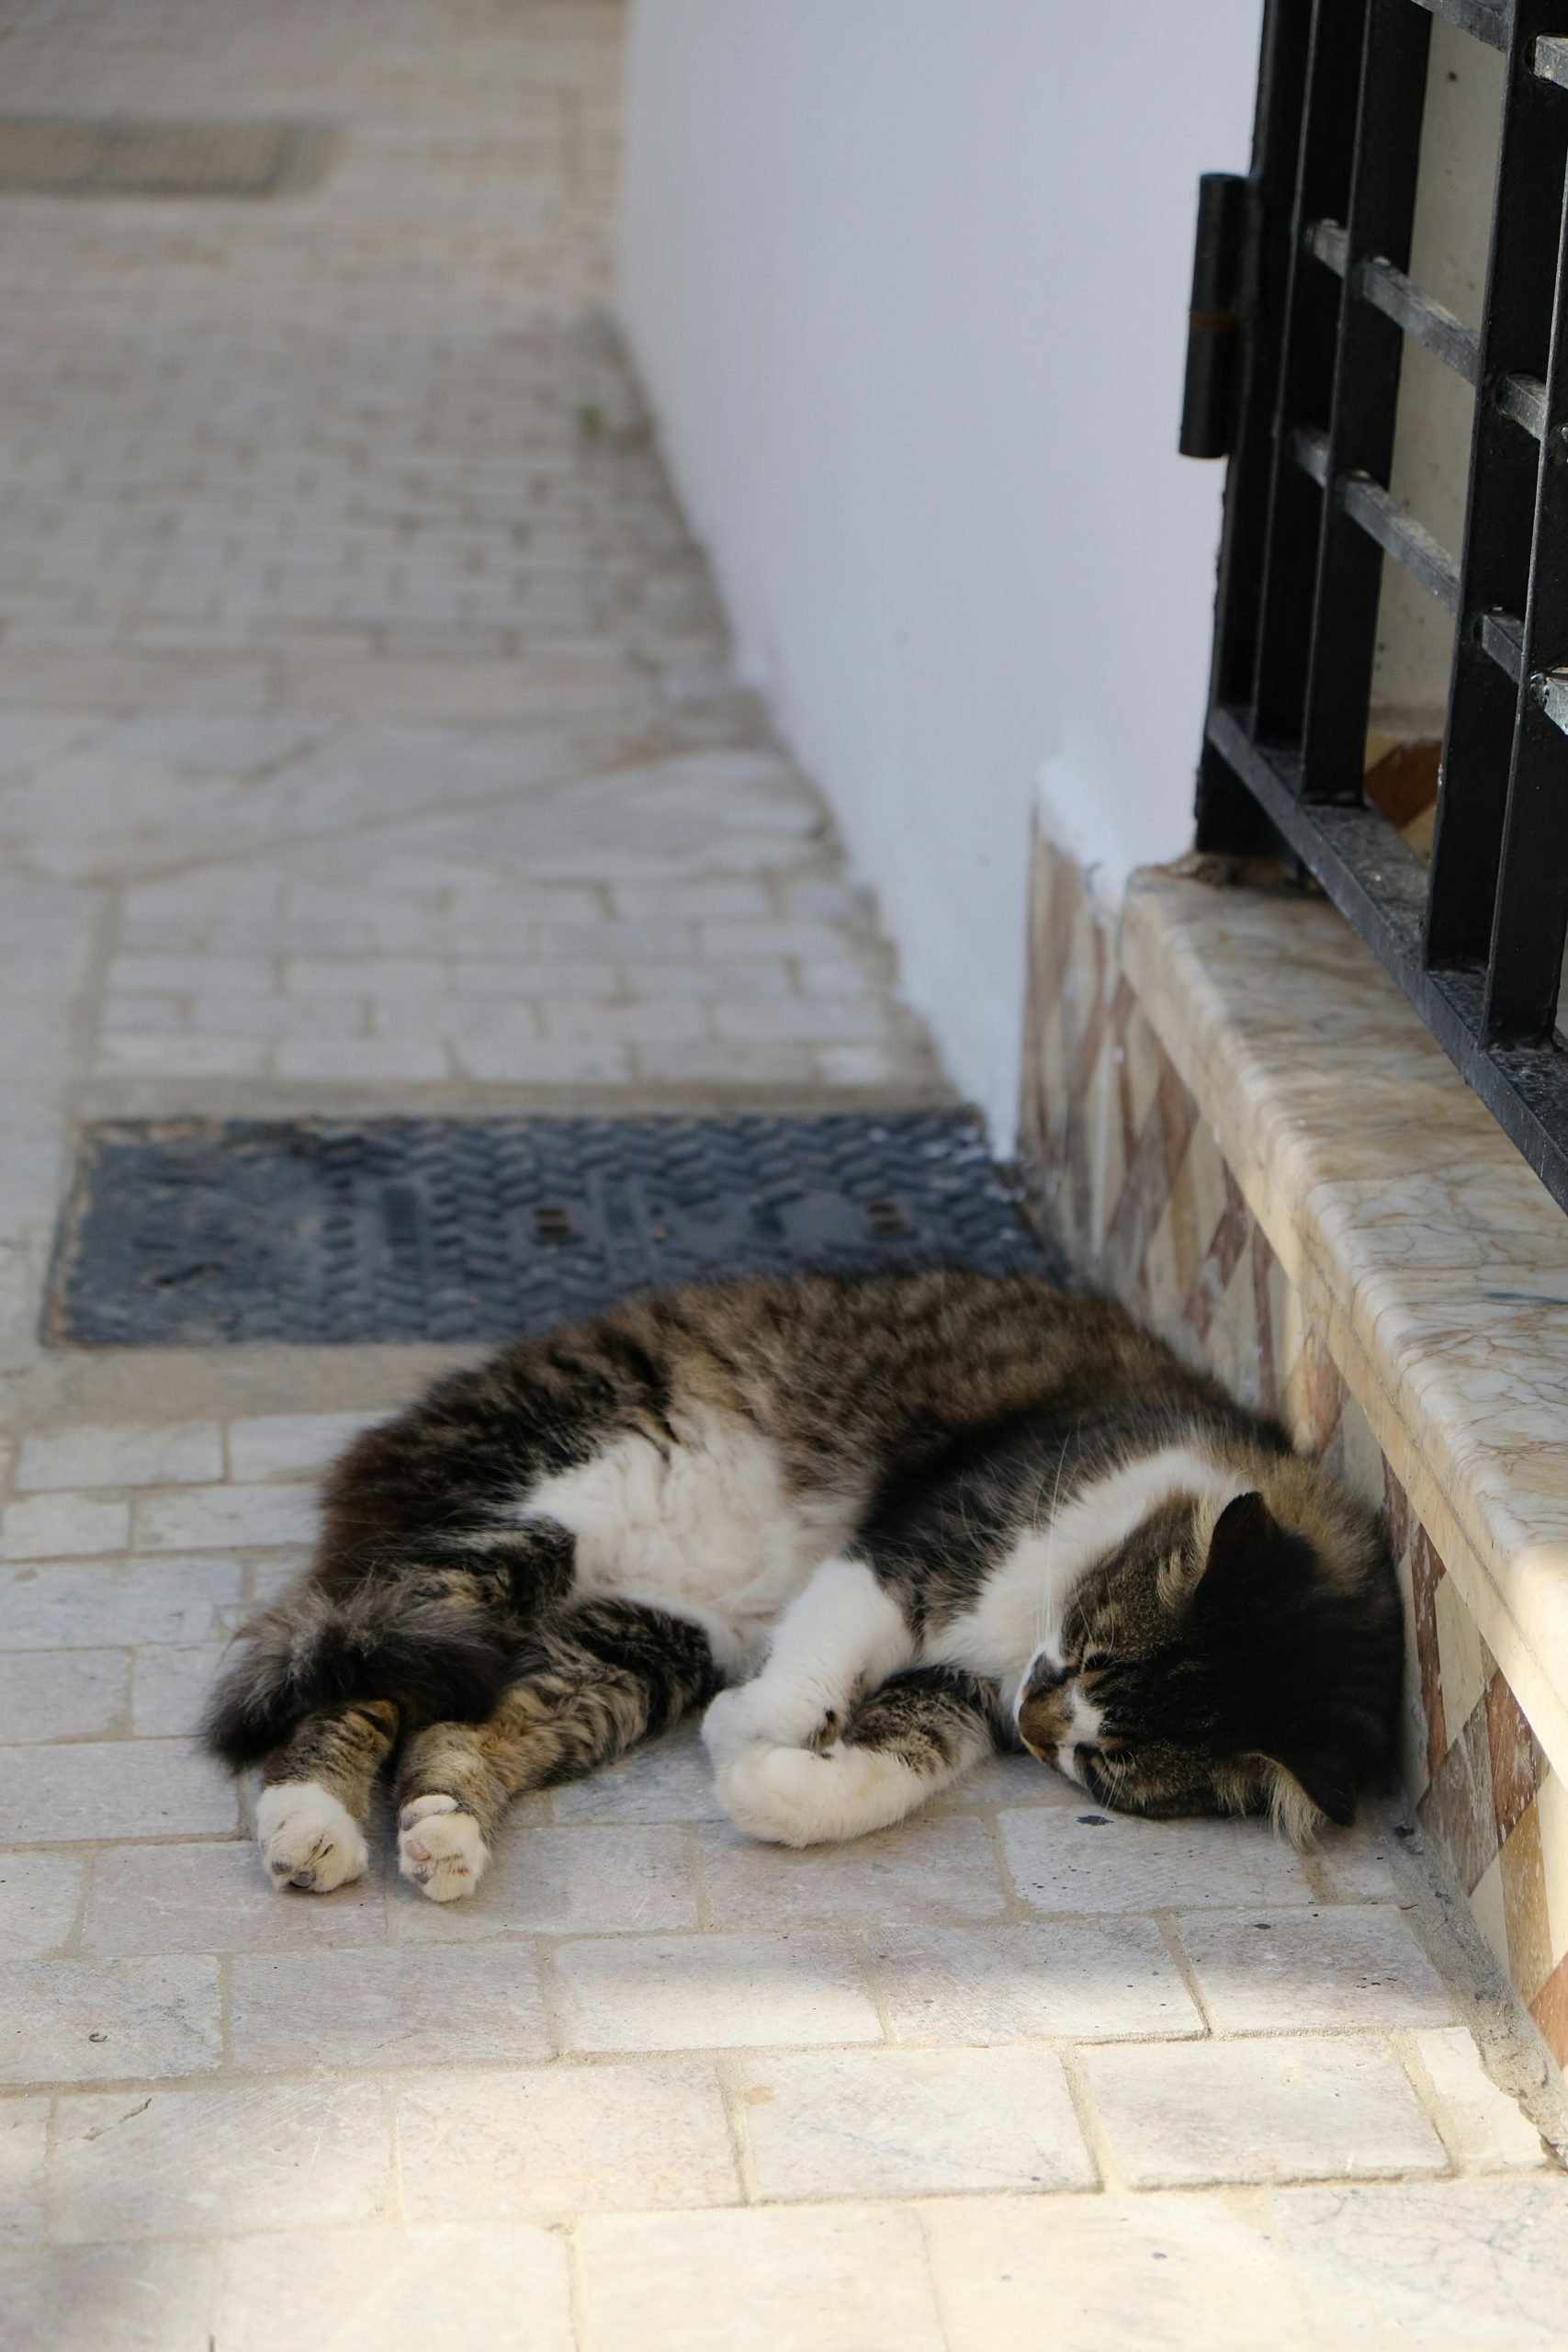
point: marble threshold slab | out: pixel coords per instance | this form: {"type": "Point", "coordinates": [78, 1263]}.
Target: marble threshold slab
{"type": "Point", "coordinates": [1431, 1262]}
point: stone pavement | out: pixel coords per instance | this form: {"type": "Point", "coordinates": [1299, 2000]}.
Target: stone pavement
{"type": "Point", "coordinates": [367, 740]}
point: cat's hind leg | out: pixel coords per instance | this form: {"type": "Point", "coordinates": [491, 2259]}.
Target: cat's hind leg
{"type": "Point", "coordinates": [316, 1795]}
{"type": "Point", "coordinates": [596, 1680]}
{"type": "Point", "coordinates": [916, 1734]}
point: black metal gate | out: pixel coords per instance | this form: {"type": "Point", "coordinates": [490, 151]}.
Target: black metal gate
{"type": "Point", "coordinates": [1316, 277]}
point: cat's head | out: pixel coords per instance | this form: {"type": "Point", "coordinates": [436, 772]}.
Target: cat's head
{"type": "Point", "coordinates": [1228, 1659]}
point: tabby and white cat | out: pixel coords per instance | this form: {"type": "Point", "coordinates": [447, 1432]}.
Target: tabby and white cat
{"type": "Point", "coordinates": [881, 1525]}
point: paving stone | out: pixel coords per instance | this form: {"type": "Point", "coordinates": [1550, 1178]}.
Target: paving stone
{"type": "Point", "coordinates": [1088, 1980]}
{"type": "Point", "coordinates": [711, 1991]}
{"type": "Point", "coordinates": [39, 1897]}
{"type": "Point", "coordinates": [804, 941]}
{"type": "Point", "coordinates": [546, 2143]}
{"type": "Point", "coordinates": [1084, 1860]}
{"type": "Point", "coordinates": [27, 737]}
{"type": "Point", "coordinates": [715, 1062]}
{"type": "Point", "coordinates": [111, 1788]}
{"type": "Point", "coordinates": [138, 1056]}
{"type": "Point", "coordinates": [180, 1451]}
{"type": "Point", "coordinates": [122, 1601]}
{"type": "Point", "coordinates": [688, 901]}
{"type": "Point", "coordinates": [444, 1018]}
{"type": "Point", "coordinates": [361, 1060]}
{"type": "Point", "coordinates": [652, 1020]}
{"type": "Point", "coordinates": [1162, 2271]}
{"type": "Point", "coordinates": [561, 1881]}
{"type": "Point", "coordinates": [267, 1017]}
{"type": "Point", "coordinates": [805, 1021]}
{"type": "Point", "coordinates": [840, 2278]}
{"type": "Point", "coordinates": [24, 2139]}
{"type": "Point", "coordinates": [85, 2020]}
{"type": "Point", "coordinates": [670, 1780]}
{"type": "Point", "coordinates": [197, 742]}
{"type": "Point", "coordinates": [162, 1017]}
{"type": "Point", "coordinates": [1455, 2266]}
{"type": "Point", "coordinates": [62, 1694]}
{"type": "Point", "coordinates": [268, 1578]}
{"type": "Point", "coordinates": [109, 2299]}
{"type": "Point", "coordinates": [52, 1527]}
{"type": "Point", "coordinates": [366, 976]}
{"type": "Point", "coordinates": [836, 980]}
{"type": "Point", "coordinates": [216, 1898]}
{"type": "Point", "coordinates": [911, 2122]}
{"type": "Point", "coordinates": [1358, 1865]}
{"type": "Point", "coordinates": [504, 2288]}
{"type": "Point", "coordinates": [1012, 1781]}
{"type": "Point", "coordinates": [171, 1685]}
{"type": "Point", "coordinates": [244, 1515]}
{"type": "Point", "coordinates": [487, 979]}
{"type": "Point", "coordinates": [864, 1066]}
{"type": "Point", "coordinates": [942, 1867]}
{"type": "Point", "coordinates": [1484, 2128]}
{"type": "Point", "coordinates": [388, 2009]}
{"type": "Point", "coordinates": [527, 1061]}
{"type": "Point", "coordinates": [673, 978]}
{"type": "Point", "coordinates": [262, 2156]}
{"type": "Point", "coordinates": [1304, 1972]}
{"type": "Point", "coordinates": [284, 1445]}
{"type": "Point", "coordinates": [1187, 2113]}
{"type": "Point", "coordinates": [182, 974]}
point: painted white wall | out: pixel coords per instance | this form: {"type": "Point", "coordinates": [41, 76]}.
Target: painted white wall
{"type": "Point", "coordinates": [907, 283]}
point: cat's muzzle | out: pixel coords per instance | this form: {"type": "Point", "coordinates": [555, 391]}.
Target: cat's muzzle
{"type": "Point", "coordinates": [1045, 1710]}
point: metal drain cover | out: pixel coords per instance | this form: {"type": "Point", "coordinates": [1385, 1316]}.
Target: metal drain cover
{"type": "Point", "coordinates": [443, 1229]}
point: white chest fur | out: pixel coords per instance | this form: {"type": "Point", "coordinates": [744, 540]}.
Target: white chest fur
{"type": "Point", "coordinates": [1019, 1612]}
{"type": "Point", "coordinates": [706, 1528]}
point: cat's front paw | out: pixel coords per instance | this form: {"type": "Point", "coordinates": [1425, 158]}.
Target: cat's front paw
{"type": "Point", "coordinates": [798, 1796]}
{"type": "Point", "coordinates": [441, 1848]}
{"type": "Point", "coordinates": [308, 1839]}
{"type": "Point", "coordinates": [786, 1795]}
{"type": "Point", "coordinates": [732, 1722]}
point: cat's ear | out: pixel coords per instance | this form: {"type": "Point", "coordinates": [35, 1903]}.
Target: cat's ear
{"type": "Point", "coordinates": [1239, 1534]}
{"type": "Point", "coordinates": [1310, 1779]}
{"type": "Point", "coordinates": [1245, 1538]}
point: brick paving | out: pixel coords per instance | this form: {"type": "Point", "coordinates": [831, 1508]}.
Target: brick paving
{"type": "Point", "coordinates": [368, 737]}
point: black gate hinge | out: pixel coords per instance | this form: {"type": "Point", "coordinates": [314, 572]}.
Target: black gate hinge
{"type": "Point", "coordinates": [1211, 395]}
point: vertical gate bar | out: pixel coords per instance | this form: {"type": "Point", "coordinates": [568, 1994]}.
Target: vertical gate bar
{"type": "Point", "coordinates": [1228, 818]}
{"type": "Point", "coordinates": [1366, 399]}
{"type": "Point", "coordinates": [1306, 376]}
{"type": "Point", "coordinates": [1531, 918]}
{"type": "Point", "coordinates": [1515, 330]}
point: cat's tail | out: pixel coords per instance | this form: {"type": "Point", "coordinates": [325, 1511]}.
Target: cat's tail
{"type": "Point", "coordinates": [436, 1658]}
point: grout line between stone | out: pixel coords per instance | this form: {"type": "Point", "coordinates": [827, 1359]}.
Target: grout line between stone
{"type": "Point", "coordinates": [726, 2070]}
{"type": "Point", "coordinates": [1102, 2155]}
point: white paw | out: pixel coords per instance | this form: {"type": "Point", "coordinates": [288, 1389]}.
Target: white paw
{"type": "Point", "coordinates": [309, 1837]}
{"type": "Point", "coordinates": [764, 1709]}
{"type": "Point", "coordinates": [441, 1848]}
{"type": "Point", "coordinates": [732, 1722]}
{"type": "Point", "coordinates": [791, 1796]}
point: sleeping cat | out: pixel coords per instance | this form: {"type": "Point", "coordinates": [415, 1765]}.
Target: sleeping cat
{"type": "Point", "coordinates": [881, 1526]}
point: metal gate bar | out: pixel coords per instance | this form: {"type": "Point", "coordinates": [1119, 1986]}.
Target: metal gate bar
{"type": "Point", "coordinates": [1475, 939]}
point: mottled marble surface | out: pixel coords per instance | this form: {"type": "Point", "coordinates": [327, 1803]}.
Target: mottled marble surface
{"type": "Point", "coordinates": [1432, 1260]}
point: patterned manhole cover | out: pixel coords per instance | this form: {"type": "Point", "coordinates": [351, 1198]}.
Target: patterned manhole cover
{"type": "Point", "coordinates": [442, 1229]}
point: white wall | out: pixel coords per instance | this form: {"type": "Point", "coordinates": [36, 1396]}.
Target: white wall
{"type": "Point", "coordinates": [906, 283]}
